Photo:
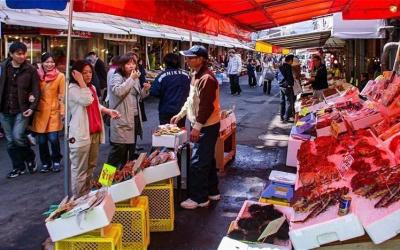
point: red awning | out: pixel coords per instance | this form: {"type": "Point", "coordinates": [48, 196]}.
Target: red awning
{"type": "Point", "coordinates": [237, 18]}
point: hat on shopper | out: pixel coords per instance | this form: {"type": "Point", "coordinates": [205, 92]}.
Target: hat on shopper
{"type": "Point", "coordinates": [196, 50]}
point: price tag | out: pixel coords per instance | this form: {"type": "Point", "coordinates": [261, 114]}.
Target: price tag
{"type": "Point", "coordinates": [300, 123]}
{"type": "Point", "coordinates": [272, 227]}
{"type": "Point", "coordinates": [335, 129]}
{"type": "Point", "coordinates": [107, 175]}
{"type": "Point", "coordinates": [321, 112]}
{"type": "Point", "coordinates": [346, 163]}
{"type": "Point", "coordinates": [304, 111]}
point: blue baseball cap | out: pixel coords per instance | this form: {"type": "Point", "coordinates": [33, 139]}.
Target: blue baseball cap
{"type": "Point", "coordinates": [196, 50]}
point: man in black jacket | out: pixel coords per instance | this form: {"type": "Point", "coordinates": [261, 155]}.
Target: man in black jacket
{"type": "Point", "coordinates": [18, 80]}
{"type": "Point", "coordinates": [319, 78]}
{"type": "Point", "coordinates": [286, 87]}
{"type": "Point", "coordinates": [172, 87]}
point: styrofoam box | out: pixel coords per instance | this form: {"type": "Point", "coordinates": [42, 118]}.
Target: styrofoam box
{"type": "Point", "coordinates": [231, 244]}
{"type": "Point", "coordinates": [98, 217]}
{"type": "Point", "coordinates": [381, 224]}
{"type": "Point", "coordinates": [366, 121]}
{"type": "Point", "coordinates": [170, 141]}
{"type": "Point", "coordinates": [293, 148]}
{"type": "Point", "coordinates": [325, 228]}
{"type": "Point", "coordinates": [161, 172]}
{"type": "Point", "coordinates": [326, 131]}
{"type": "Point", "coordinates": [128, 189]}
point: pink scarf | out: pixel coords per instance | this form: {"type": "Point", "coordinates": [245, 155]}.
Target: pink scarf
{"type": "Point", "coordinates": [48, 76]}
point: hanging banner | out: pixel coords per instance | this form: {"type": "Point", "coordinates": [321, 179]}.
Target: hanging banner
{"type": "Point", "coordinates": [263, 47]}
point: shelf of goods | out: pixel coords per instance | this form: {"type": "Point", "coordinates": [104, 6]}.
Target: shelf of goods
{"type": "Point", "coordinates": [351, 149]}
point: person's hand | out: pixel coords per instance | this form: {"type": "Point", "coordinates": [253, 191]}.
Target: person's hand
{"type": "Point", "coordinates": [194, 135]}
{"type": "Point", "coordinates": [32, 98]}
{"type": "Point", "coordinates": [146, 86]}
{"type": "Point", "coordinates": [27, 113]}
{"type": "Point", "coordinates": [175, 119]}
{"type": "Point", "coordinates": [114, 114]}
{"type": "Point", "coordinates": [79, 78]}
{"type": "Point", "coordinates": [135, 74]}
{"type": "Point", "coordinates": [62, 116]}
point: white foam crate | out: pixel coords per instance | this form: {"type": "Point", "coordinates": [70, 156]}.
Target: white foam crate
{"type": "Point", "coordinates": [98, 217]}
{"type": "Point", "coordinates": [325, 228]}
{"type": "Point", "coordinates": [128, 189]}
{"type": "Point", "coordinates": [381, 224]}
{"type": "Point", "coordinates": [161, 172]}
{"type": "Point", "coordinates": [170, 141]}
{"type": "Point", "coordinates": [293, 148]}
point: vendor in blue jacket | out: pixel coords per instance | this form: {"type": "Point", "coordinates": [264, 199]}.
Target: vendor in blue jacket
{"type": "Point", "coordinates": [172, 87]}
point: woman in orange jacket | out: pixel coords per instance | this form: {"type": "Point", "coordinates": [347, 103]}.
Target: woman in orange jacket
{"type": "Point", "coordinates": [47, 121]}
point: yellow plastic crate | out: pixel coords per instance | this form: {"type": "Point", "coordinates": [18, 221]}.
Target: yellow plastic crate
{"type": "Point", "coordinates": [134, 217]}
{"type": "Point", "coordinates": [161, 205]}
{"type": "Point", "coordinates": [111, 240]}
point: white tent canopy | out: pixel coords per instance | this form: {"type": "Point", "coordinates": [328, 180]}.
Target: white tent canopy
{"type": "Point", "coordinates": [357, 29]}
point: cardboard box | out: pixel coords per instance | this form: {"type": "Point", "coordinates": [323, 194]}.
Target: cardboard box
{"type": "Point", "coordinates": [161, 172]}
{"type": "Point", "coordinates": [170, 141]}
{"type": "Point", "coordinates": [128, 189]}
{"type": "Point", "coordinates": [95, 218]}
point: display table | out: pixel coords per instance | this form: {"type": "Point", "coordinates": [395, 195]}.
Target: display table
{"type": "Point", "coordinates": [225, 148]}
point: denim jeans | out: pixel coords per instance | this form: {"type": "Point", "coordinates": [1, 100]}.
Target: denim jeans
{"type": "Point", "coordinates": [287, 103]}
{"type": "Point", "coordinates": [43, 140]}
{"type": "Point", "coordinates": [202, 174]}
{"type": "Point", "coordinates": [18, 147]}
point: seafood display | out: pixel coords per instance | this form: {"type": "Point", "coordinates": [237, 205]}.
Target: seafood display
{"type": "Point", "coordinates": [71, 206]}
{"type": "Point", "coordinates": [383, 183]}
{"type": "Point", "coordinates": [252, 224]}
{"type": "Point", "coordinates": [316, 200]}
{"type": "Point", "coordinates": [130, 169]}
{"type": "Point", "coordinates": [167, 129]}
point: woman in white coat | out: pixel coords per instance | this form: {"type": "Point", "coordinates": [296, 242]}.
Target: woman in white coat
{"type": "Point", "coordinates": [125, 95]}
{"type": "Point", "coordinates": [86, 128]}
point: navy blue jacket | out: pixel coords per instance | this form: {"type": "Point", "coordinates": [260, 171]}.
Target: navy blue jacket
{"type": "Point", "coordinates": [172, 87]}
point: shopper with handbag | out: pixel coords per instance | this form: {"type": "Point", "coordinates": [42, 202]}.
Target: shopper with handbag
{"type": "Point", "coordinates": [125, 96]}
{"type": "Point", "coordinates": [86, 128]}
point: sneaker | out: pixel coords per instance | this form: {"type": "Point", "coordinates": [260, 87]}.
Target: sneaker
{"type": "Point", "coordinates": [56, 167]}
{"type": "Point", "coordinates": [191, 204]}
{"type": "Point", "coordinates": [32, 167]}
{"type": "Point", "coordinates": [216, 197]}
{"type": "Point", "coordinates": [45, 169]}
{"type": "Point", "coordinates": [15, 173]}
{"type": "Point", "coordinates": [31, 139]}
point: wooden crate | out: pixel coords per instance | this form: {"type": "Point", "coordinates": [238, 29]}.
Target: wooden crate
{"type": "Point", "coordinates": [225, 148]}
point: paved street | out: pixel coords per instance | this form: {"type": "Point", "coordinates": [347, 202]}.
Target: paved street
{"type": "Point", "coordinates": [262, 139]}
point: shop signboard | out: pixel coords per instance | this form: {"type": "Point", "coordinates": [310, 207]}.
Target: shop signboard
{"type": "Point", "coordinates": [64, 33]}
{"type": "Point", "coordinates": [120, 38]}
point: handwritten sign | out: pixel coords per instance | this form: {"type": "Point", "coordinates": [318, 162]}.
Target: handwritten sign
{"type": "Point", "coordinates": [335, 129]}
{"type": "Point", "coordinates": [272, 227]}
{"type": "Point", "coordinates": [107, 175]}
{"type": "Point", "coordinates": [346, 163]}
{"type": "Point", "coordinates": [304, 111]}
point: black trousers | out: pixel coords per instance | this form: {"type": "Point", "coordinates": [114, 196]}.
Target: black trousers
{"type": "Point", "coordinates": [166, 118]}
{"type": "Point", "coordinates": [202, 176]}
{"type": "Point", "coordinates": [121, 154]}
{"type": "Point", "coordinates": [235, 87]}
{"type": "Point", "coordinates": [252, 80]}
{"type": "Point", "coordinates": [267, 86]}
